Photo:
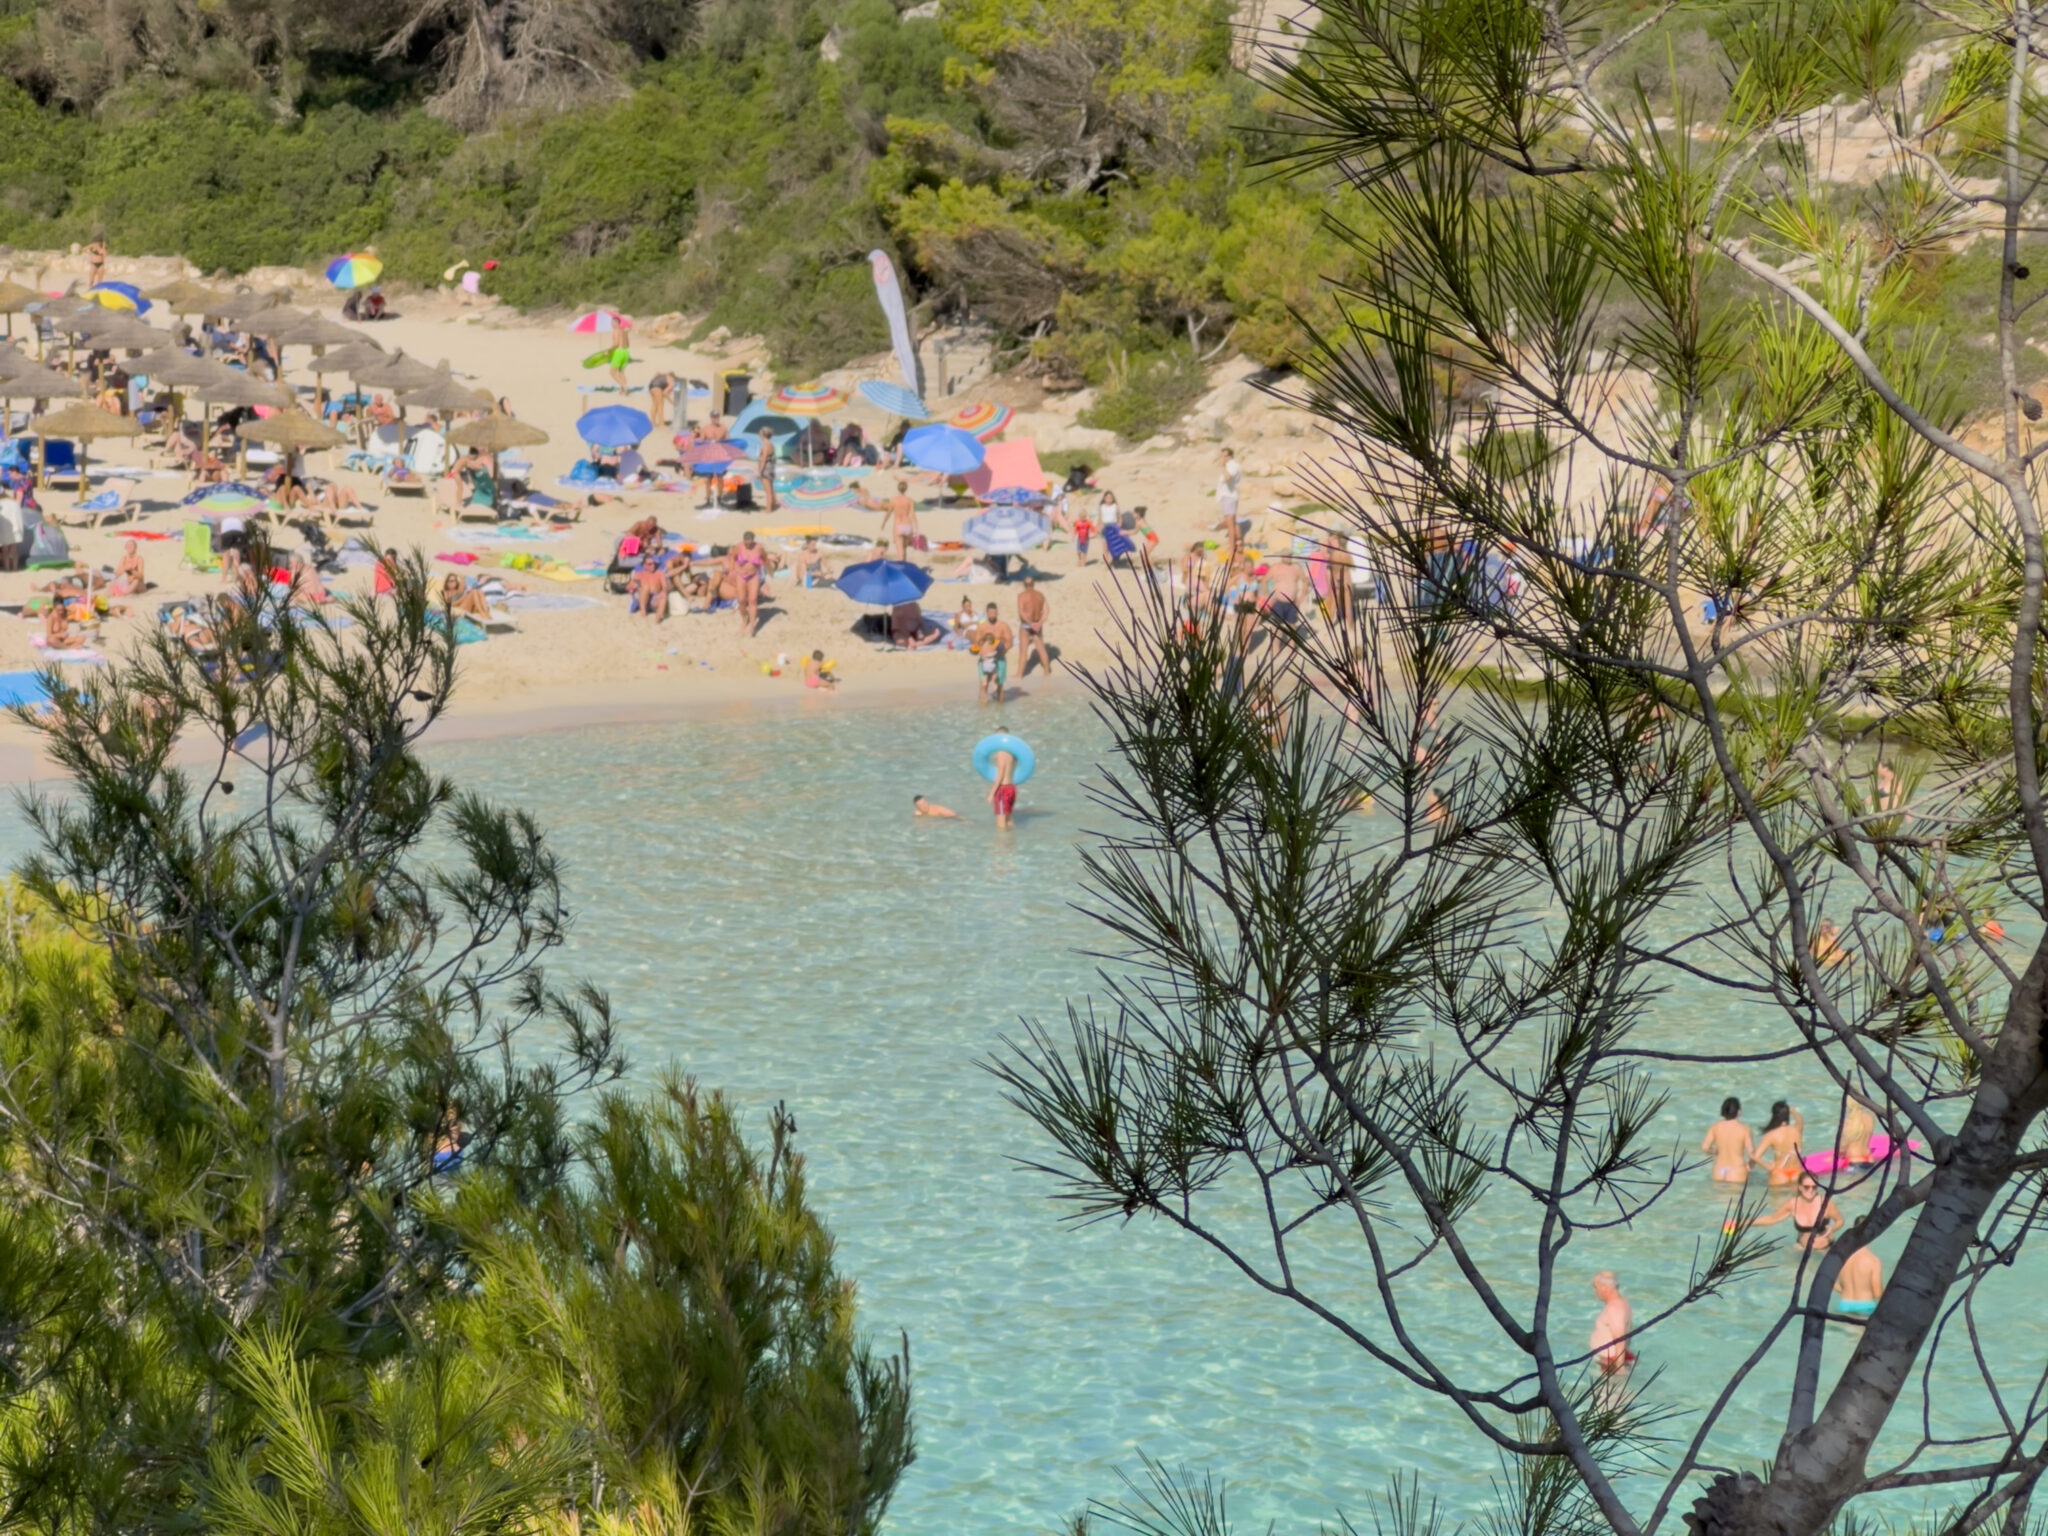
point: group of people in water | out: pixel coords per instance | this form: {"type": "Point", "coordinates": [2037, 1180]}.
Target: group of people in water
{"type": "Point", "coordinates": [1816, 1219]}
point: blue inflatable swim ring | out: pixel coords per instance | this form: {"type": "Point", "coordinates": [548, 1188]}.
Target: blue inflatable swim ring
{"type": "Point", "coordinates": [985, 751]}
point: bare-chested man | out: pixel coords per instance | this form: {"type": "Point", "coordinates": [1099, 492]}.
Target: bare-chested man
{"type": "Point", "coordinates": [1611, 1328]}
{"type": "Point", "coordinates": [1731, 1142]}
{"type": "Point", "coordinates": [1003, 793]}
{"type": "Point", "coordinates": [920, 806]}
{"type": "Point", "coordinates": [1031, 611]}
{"type": "Point", "coordinates": [1859, 1284]}
{"type": "Point", "coordinates": [993, 641]}
{"type": "Point", "coordinates": [1283, 601]}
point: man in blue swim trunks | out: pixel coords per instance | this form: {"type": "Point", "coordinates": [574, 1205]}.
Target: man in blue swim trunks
{"type": "Point", "coordinates": [1860, 1283]}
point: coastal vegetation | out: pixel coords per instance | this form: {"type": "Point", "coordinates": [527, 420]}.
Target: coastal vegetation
{"type": "Point", "coordinates": [325, 1209]}
{"type": "Point", "coordinates": [735, 158]}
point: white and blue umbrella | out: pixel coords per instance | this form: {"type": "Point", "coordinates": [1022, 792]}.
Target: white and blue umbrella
{"type": "Point", "coordinates": [894, 398]}
{"type": "Point", "coordinates": [1006, 531]}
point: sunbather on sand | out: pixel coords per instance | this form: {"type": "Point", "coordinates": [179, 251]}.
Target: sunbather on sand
{"type": "Point", "coordinates": [129, 576]}
{"type": "Point", "coordinates": [464, 600]}
{"type": "Point", "coordinates": [308, 590]}
{"type": "Point", "coordinates": [648, 591]}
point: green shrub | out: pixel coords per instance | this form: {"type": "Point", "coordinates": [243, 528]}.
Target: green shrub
{"type": "Point", "coordinates": [1061, 460]}
{"type": "Point", "coordinates": [1147, 394]}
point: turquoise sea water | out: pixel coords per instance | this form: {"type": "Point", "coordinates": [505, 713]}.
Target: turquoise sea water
{"type": "Point", "coordinates": [767, 915]}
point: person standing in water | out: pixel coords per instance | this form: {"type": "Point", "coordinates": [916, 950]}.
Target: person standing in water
{"type": "Point", "coordinates": [1003, 793]}
{"type": "Point", "coordinates": [1733, 1146]}
{"type": "Point", "coordinates": [1611, 1328]}
{"type": "Point", "coordinates": [1860, 1283]}
{"type": "Point", "coordinates": [1778, 1149]}
{"type": "Point", "coordinates": [1852, 1142]}
{"type": "Point", "coordinates": [1814, 1216]}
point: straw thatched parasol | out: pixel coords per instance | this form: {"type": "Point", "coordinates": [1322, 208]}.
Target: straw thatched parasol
{"type": "Point", "coordinates": [121, 330]}
{"type": "Point", "coordinates": [36, 381]}
{"type": "Point", "coordinates": [81, 423]}
{"type": "Point", "coordinates": [182, 296]}
{"type": "Point", "coordinates": [178, 368]}
{"type": "Point", "coordinates": [398, 372]}
{"type": "Point", "coordinates": [312, 330]}
{"type": "Point", "coordinates": [234, 387]}
{"type": "Point", "coordinates": [244, 306]}
{"type": "Point", "coordinates": [496, 432]}
{"type": "Point", "coordinates": [294, 430]}
{"type": "Point", "coordinates": [13, 297]}
{"type": "Point", "coordinates": [444, 394]}
{"type": "Point", "coordinates": [361, 353]}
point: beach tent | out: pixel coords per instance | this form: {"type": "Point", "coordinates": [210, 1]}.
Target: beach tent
{"type": "Point", "coordinates": [1008, 467]}
{"type": "Point", "coordinates": [45, 540]}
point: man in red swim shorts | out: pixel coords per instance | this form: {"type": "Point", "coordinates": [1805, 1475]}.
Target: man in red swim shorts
{"type": "Point", "coordinates": [1003, 793]}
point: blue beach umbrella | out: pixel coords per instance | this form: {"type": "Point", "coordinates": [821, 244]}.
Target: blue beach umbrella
{"type": "Point", "coordinates": [884, 583]}
{"type": "Point", "coordinates": [1006, 531]}
{"type": "Point", "coordinates": [613, 426]}
{"type": "Point", "coordinates": [894, 398]}
{"type": "Point", "coordinates": [943, 450]}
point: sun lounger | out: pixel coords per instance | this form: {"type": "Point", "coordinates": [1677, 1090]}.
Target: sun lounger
{"type": "Point", "coordinates": [402, 481]}
{"type": "Point", "coordinates": [116, 498]}
{"type": "Point", "coordinates": [60, 464]}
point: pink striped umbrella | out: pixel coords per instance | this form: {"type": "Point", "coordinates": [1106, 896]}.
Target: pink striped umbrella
{"type": "Point", "coordinates": [600, 322]}
{"type": "Point", "coordinates": [986, 421]}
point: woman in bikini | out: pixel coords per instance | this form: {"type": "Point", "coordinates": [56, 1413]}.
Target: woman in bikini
{"type": "Point", "coordinates": [1778, 1150]}
{"type": "Point", "coordinates": [1814, 1216]}
{"type": "Point", "coordinates": [749, 566]}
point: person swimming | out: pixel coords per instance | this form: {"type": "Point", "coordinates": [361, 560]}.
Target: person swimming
{"type": "Point", "coordinates": [1732, 1144]}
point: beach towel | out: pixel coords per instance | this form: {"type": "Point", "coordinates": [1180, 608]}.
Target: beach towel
{"type": "Point", "coordinates": [65, 653]}
{"type": "Point", "coordinates": [459, 557]}
{"type": "Point", "coordinates": [22, 688]}
{"type": "Point", "coordinates": [467, 630]}
{"type": "Point", "coordinates": [152, 534]}
{"type": "Point", "coordinates": [548, 602]}
{"type": "Point", "coordinates": [507, 535]}
{"type": "Point", "coordinates": [105, 501]}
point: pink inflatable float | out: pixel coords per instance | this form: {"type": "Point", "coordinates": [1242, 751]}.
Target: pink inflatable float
{"type": "Point", "coordinates": [1831, 1162]}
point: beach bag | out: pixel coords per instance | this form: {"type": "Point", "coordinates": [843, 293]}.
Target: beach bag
{"type": "Point", "coordinates": [583, 472]}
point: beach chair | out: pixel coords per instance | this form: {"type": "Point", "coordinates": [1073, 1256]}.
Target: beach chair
{"type": "Point", "coordinates": [198, 554]}
{"type": "Point", "coordinates": [116, 498]}
{"type": "Point", "coordinates": [60, 464]}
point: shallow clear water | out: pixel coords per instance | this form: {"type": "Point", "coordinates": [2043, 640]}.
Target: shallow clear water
{"type": "Point", "coordinates": [767, 915]}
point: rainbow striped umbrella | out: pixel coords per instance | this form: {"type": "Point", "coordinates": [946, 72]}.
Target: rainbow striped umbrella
{"type": "Point", "coordinates": [817, 498]}
{"type": "Point", "coordinates": [231, 498]}
{"type": "Point", "coordinates": [813, 399]}
{"type": "Point", "coordinates": [358, 269]}
{"type": "Point", "coordinates": [600, 322]}
{"type": "Point", "coordinates": [121, 296]}
{"type": "Point", "coordinates": [985, 421]}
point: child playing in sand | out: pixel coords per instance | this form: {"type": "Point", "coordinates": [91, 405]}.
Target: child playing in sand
{"type": "Point", "coordinates": [816, 674]}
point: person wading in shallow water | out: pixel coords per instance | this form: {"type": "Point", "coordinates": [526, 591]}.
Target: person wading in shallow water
{"type": "Point", "coordinates": [1733, 1146]}
{"type": "Point", "coordinates": [1003, 793]}
{"type": "Point", "coordinates": [1611, 1329]}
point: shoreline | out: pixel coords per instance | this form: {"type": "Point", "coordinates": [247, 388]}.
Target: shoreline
{"type": "Point", "coordinates": [557, 707]}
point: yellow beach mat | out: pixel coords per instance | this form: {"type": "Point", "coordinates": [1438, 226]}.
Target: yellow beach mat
{"type": "Point", "coordinates": [564, 573]}
{"type": "Point", "coordinates": [798, 531]}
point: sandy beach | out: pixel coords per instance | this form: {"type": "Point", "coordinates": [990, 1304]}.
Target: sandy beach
{"type": "Point", "coordinates": [596, 661]}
